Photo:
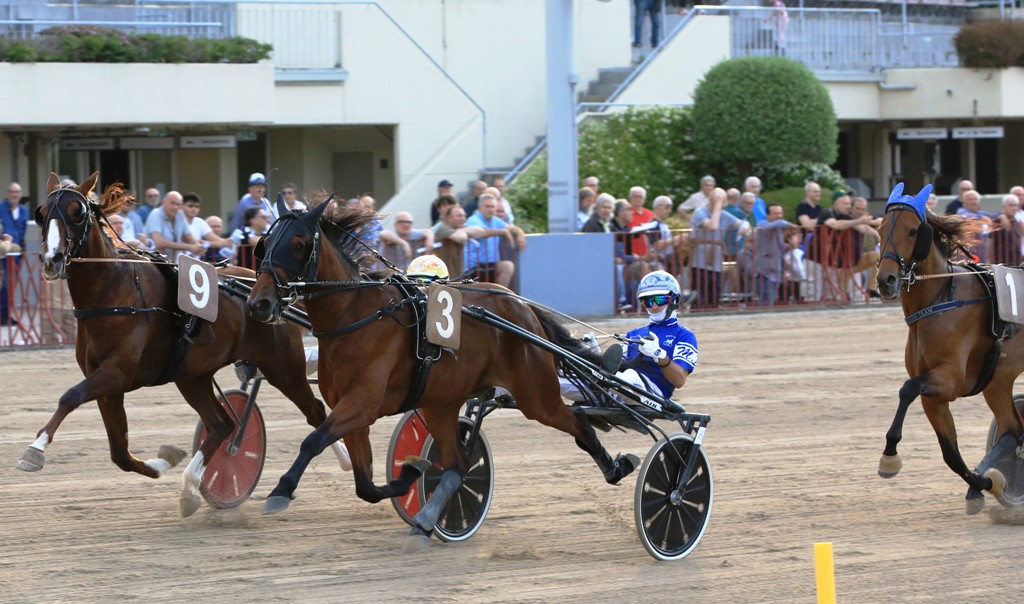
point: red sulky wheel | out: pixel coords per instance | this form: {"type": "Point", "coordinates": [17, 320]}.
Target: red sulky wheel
{"type": "Point", "coordinates": [229, 478]}
{"type": "Point", "coordinates": [407, 440]}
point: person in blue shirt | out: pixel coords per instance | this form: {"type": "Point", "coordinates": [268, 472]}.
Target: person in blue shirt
{"type": "Point", "coordinates": [14, 215]}
{"type": "Point", "coordinates": [662, 353]}
{"type": "Point", "coordinates": [13, 225]}
{"type": "Point", "coordinates": [667, 352]}
{"type": "Point", "coordinates": [487, 262]}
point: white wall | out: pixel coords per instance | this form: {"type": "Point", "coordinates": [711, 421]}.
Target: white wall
{"type": "Point", "coordinates": [674, 74]}
{"type": "Point", "coordinates": [76, 94]}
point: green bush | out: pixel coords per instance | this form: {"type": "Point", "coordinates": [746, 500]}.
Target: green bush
{"type": "Point", "coordinates": [991, 44]}
{"type": "Point", "coordinates": [754, 112]}
{"type": "Point", "coordinates": [18, 52]}
{"type": "Point", "coordinates": [637, 147]}
{"type": "Point", "coordinates": [92, 44]}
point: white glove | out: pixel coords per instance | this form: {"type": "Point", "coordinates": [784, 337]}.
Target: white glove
{"type": "Point", "coordinates": [651, 347]}
{"type": "Point", "coordinates": [590, 342]}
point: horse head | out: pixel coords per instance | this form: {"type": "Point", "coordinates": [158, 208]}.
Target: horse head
{"type": "Point", "coordinates": [286, 254]}
{"type": "Point", "coordinates": [65, 219]}
{"type": "Point", "coordinates": [906, 239]}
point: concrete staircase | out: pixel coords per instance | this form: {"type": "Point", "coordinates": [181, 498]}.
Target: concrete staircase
{"type": "Point", "coordinates": [608, 81]}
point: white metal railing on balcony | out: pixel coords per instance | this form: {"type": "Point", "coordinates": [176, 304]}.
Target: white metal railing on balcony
{"type": "Point", "coordinates": [21, 19]}
{"type": "Point", "coordinates": [304, 36]}
{"type": "Point", "coordinates": [838, 40]}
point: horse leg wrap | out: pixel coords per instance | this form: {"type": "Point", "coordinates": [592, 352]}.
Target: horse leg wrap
{"type": "Point", "coordinates": [427, 517]}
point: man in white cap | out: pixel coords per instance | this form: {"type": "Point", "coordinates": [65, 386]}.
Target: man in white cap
{"type": "Point", "coordinates": [255, 197]}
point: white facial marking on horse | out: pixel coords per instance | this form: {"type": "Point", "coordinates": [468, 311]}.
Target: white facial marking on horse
{"type": "Point", "coordinates": [52, 239]}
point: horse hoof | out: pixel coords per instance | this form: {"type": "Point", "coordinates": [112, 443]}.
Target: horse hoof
{"type": "Point", "coordinates": [171, 454]}
{"type": "Point", "coordinates": [31, 460]}
{"type": "Point", "coordinates": [624, 466]}
{"type": "Point", "coordinates": [889, 465]}
{"type": "Point", "coordinates": [416, 541]}
{"type": "Point", "coordinates": [975, 506]}
{"type": "Point", "coordinates": [189, 503]}
{"type": "Point", "coordinates": [417, 463]}
{"type": "Point", "coordinates": [998, 482]}
{"type": "Point", "coordinates": [275, 504]}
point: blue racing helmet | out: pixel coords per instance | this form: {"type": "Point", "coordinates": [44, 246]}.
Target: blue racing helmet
{"type": "Point", "coordinates": [657, 283]}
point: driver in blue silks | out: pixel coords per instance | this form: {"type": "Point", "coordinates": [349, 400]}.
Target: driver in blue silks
{"type": "Point", "coordinates": [668, 350]}
{"type": "Point", "coordinates": [666, 353]}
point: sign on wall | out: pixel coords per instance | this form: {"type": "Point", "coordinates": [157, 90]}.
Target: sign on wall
{"type": "Point", "coordinates": [87, 144]}
{"type": "Point", "coordinates": [147, 142]}
{"type": "Point", "coordinates": [226, 141]}
{"type": "Point", "coordinates": [978, 132]}
{"type": "Point", "coordinates": [917, 134]}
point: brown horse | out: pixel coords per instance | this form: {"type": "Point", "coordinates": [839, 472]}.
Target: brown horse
{"type": "Point", "coordinates": [367, 360]}
{"type": "Point", "coordinates": [955, 347]}
{"type": "Point", "coordinates": [126, 341]}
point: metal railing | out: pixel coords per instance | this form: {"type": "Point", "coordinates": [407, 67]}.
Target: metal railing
{"type": "Point", "coordinates": [765, 268]}
{"type": "Point", "coordinates": [838, 40]}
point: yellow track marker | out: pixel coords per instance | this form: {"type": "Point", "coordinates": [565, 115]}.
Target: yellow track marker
{"type": "Point", "coordinates": [824, 572]}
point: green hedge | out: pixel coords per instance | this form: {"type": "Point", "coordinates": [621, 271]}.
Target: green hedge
{"type": "Point", "coordinates": [652, 148]}
{"type": "Point", "coordinates": [86, 44]}
{"type": "Point", "coordinates": [754, 112]}
{"type": "Point", "coordinates": [991, 44]}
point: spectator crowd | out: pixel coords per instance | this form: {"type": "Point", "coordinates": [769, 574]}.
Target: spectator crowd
{"type": "Point", "coordinates": [725, 246]}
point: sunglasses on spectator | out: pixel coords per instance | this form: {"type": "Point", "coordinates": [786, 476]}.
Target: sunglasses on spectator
{"type": "Point", "coordinates": [659, 300]}
{"type": "Point", "coordinates": [403, 222]}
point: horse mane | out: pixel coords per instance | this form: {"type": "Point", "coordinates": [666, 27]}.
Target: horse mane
{"type": "Point", "coordinates": [115, 199]}
{"type": "Point", "coordinates": [953, 231]}
{"type": "Point", "coordinates": [349, 222]}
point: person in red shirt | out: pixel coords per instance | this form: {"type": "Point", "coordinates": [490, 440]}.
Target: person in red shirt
{"type": "Point", "coordinates": [641, 217]}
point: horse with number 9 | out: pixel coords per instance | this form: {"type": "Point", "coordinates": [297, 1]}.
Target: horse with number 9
{"type": "Point", "coordinates": [128, 324]}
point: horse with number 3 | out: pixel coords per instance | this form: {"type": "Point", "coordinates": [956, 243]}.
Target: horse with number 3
{"type": "Point", "coordinates": [957, 345]}
{"type": "Point", "coordinates": [368, 366]}
{"type": "Point", "coordinates": [128, 324]}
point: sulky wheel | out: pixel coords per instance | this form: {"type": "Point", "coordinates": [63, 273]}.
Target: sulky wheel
{"type": "Point", "coordinates": [1018, 401]}
{"type": "Point", "coordinates": [1008, 464]}
{"type": "Point", "coordinates": [468, 507]}
{"type": "Point", "coordinates": [406, 441]}
{"type": "Point", "coordinates": [670, 523]}
{"type": "Point", "coordinates": [230, 477]}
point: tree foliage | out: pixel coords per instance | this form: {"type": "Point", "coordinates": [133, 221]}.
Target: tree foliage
{"type": "Point", "coordinates": [637, 147]}
{"type": "Point", "coordinates": [759, 112]}
{"type": "Point", "coordinates": [991, 44]}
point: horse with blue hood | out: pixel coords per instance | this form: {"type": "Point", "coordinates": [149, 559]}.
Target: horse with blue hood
{"type": "Point", "coordinates": [956, 345]}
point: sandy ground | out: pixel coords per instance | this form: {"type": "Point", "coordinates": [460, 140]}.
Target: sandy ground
{"type": "Point", "coordinates": [800, 404]}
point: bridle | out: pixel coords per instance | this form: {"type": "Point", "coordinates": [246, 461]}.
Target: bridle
{"type": "Point", "coordinates": [295, 289]}
{"type": "Point", "coordinates": [72, 245]}
{"type": "Point", "coordinates": [306, 274]}
{"type": "Point", "coordinates": [907, 274]}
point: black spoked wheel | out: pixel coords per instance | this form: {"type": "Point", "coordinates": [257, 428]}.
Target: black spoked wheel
{"type": "Point", "coordinates": [468, 507]}
{"type": "Point", "coordinates": [670, 522]}
{"type": "Point", "coordinates": [1012, 467]}
{"type": "Point", "coordinates": [993, 429]}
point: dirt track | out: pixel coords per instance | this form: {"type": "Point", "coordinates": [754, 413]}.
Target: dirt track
{"type": "Point", "coordinates": [800, 402]}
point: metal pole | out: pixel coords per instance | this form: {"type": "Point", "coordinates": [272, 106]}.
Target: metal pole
{"type": "Point", "coordinates": [561, 81]}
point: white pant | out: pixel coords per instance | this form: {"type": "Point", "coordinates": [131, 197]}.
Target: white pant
{"type": "Point", "coordinates": [312, 359]}
{"type": "Point", "coordinates": [573, 393]}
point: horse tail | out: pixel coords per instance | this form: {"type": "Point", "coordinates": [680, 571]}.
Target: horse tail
{"type": "Point", "coordinates": [558, 334]}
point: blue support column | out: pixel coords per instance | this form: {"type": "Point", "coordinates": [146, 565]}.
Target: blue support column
{"type": "Point", "coordinates": [562, 79]}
